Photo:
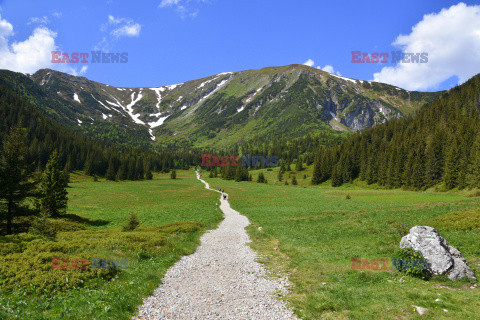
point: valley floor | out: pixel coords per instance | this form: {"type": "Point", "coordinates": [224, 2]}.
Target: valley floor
{"type": "Point", "coordinates": [312, 233]}
{"type": "Point", "coordinates": [221, 280]}
{"type": "Point", "coordinates": [308, 233]}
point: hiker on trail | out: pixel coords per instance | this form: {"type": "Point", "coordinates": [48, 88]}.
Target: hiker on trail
{"type": "Point", "coordinates": [224, 196]}
{"type": "Point", "coordinates": [223, 190]}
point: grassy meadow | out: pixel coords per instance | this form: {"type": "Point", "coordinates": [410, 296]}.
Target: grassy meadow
{"type": "Point", "coordinates": [308, 232]}
{"type": "Point", "coordinates": [312, 233]}
{"type": "Point", "coordinates": [172, 214]}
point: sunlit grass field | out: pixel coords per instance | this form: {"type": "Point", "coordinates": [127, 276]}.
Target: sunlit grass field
{"type": "Point", "coordinates": [183, 205]}
{"type": "Point", "coordinates": [312, 233]}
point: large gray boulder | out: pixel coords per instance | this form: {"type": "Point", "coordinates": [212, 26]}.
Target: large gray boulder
{"type": "Point", "coordinates": [441, 258]}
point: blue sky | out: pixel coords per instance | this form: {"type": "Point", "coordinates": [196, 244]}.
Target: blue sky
{"type": "Point", "coordinates": [172, 41]}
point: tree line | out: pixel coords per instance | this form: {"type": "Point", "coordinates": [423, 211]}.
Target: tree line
{"type": "Point", "coordinates": [76, 151]}
{"type": "Point", "coordinates": [437, 146]}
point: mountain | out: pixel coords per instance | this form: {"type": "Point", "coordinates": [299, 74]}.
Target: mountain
{"type": "Point", "coordinates": [438, 146]}
{"type": "Point", "coordinates": [219, 110]}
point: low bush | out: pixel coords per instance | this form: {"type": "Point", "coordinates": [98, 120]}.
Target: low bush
{"type": "Point", "coordinates": [463, 220]}
{"type": "Point", "coordinates": [411, 263]}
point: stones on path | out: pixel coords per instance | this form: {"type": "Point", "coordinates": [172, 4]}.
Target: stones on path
{"type": "Point", "coordinates": [221, 280]}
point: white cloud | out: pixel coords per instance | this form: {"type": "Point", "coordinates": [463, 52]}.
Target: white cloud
{"type": "Point", "coordinates": [122, 27]}
{"type": "Point", "coordinates": [328, 68]}
{"type": "Point", "coordinates": [183, 7]}
{"type": "Point", "coordinates": [117, 27]}
{"type": "Point", "coordinates": [127, 31]}
{"type": "Point", "coordinates": [168, 3]}
{"type": "Point", "coordinates": [40, 20]}
{"type": "Point", "coordinates": [74, 72]}
{"type": "Point", "coordinates": [309, 63]}
{"type": "Point", "coordinates": [29, 55]}
{"type": "Point", "coordinates": [452, 40]}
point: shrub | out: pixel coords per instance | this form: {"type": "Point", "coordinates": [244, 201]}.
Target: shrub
{"type": "Point", "coordinates": [348, 197]}
{"type": "Point", "coordinates": [463, 220]}
{"type": "Point", "coordinates": [474, 194]}
{"type": "Point", "coordinates": [294, 181]}
{"type": "Point", "coordinates": [42, 226]}
{"type": "Point", "coordinates": [411, 263]}
{"type": "Point", "coordinates": [132, 223]}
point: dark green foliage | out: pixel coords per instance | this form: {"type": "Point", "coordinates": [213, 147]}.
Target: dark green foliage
{"type": "Point", "coordinates": [410, 262]}
{"type": "Point", "coordinates": [241, 174]}
{"type": "Point", "coordinates": [53, 193]}
{"type": "Point", "coordinates": [132, 223]}
{"type": "Point", "coordinates": [298, 165]}
{"type": "Point", "coordinates": [15, 184]}
{"type": "Point", "coordinates": [261, 178]}
{"type": "Point", "coordinates": [438, 145]}
{"type": "Point", "coordinates": [148, 175]}
{"type": "Point", "coordinates": [173, 174]}
{"type": "Point", "coordinates": [111, 173]}
{"type": "Point", "coordinates": [294, 181]}
{"type": "Point", "coordinates": [42, 226]}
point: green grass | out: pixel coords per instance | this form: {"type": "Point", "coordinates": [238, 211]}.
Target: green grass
{"type": "Point", "coordinates": [312, 233]}
{"type": "Point", "coordinates": [172, 213]}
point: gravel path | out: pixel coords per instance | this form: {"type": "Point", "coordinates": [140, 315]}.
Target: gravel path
{"type": "Point", "coordinates": [221, 280]}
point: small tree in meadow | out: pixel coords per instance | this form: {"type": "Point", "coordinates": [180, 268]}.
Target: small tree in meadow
{"type": "Point", "coordinates": [294, 181]}
{"type": "Point", "coordinates": [261, 178]}
{"type": "Point", "coordinates": [173, 174]}
{"type": "Point", "coordinates": [132, 223]}
{"type": "Point", "coordinates": [53, 189]}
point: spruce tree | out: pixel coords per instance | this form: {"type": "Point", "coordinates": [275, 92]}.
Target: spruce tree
{"type": "Point", "coordinates": [473, 176]}
{"type": "Point", "coordinates": [261, 178]}
{"type": "Point", "coordinates": [15, 186]}
{"type": "Point", "coordinates": [111, 174]}
{"type": "Point", "coordinates": [122, 172]}
{"type": "Point", "coordinates": [148, 175]}
{"type": "Point", "coordinates": [280, 176]}
{"type": "Point", "coordinates": [173, 174]}
{"type": "Point", "coordinates": [298, 165]}
{"type": "Point", "coordinates": [53, 189]}
{"type": "Point", "coordinates": [294, 181]}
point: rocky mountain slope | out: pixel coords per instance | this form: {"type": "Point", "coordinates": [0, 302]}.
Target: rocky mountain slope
{"type": "Point", "coordinates": [218, 110]}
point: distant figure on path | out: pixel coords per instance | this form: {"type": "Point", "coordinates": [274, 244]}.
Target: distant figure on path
{"type": "Point", "coordinates": [224, 196]}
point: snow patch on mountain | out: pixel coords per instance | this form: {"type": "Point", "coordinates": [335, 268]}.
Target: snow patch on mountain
{"type": "Point", "coordinates": [129, 108]}
{"type": "Point", "coordinates": [173, 86]}
{"type": "Point", "coordinates": [253, 95]}
{"type": "Point", "coordinates": [159, 122]}
{"type": "Point", "coordinates": [206, 82]}
{"type": "Point", "coordinates": [343, 78]}
{"type": "Point", "coordinates": [159, 96]}
{"type": "Point", "coordinates": [75, 97]}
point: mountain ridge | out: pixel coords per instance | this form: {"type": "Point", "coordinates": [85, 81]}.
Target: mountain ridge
{"type": "Point", "coordinates": [220, 109]}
